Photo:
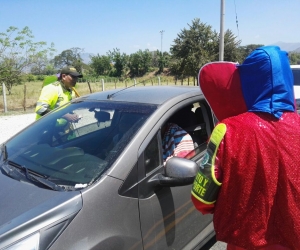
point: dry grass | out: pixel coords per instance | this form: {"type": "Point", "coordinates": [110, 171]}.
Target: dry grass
{"type": "Point", "coordinates": [15, 101]}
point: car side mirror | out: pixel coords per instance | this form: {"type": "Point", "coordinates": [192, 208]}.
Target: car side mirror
{"type": "Point", "coordinates": [178, 172]}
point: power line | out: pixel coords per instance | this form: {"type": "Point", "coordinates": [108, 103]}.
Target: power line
{"type": "Point", "coordinates": [236, 19]}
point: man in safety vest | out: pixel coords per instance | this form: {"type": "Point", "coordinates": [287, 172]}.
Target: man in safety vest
{"type": "Point", "coordinates": [249, 177]}
{"type": "Point", "coordinates": [58, 93]}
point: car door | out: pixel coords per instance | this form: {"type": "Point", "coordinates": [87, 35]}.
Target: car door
{"type": "Point", "coordinates": [168, 217]}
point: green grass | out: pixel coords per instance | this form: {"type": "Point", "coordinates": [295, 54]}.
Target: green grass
{"type": "Point", "coordinates": [32, 90]}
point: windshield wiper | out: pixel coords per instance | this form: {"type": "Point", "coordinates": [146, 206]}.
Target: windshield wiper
{"type": "Point", "coordinates": [14, 173]}
{"type": "Point", "coordinates": [47, 183]}
{"type": "Point", "coordinates": [29, 175]}
{"type": "Point", "coordinates": [26, 170]}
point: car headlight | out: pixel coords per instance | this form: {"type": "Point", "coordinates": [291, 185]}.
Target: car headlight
{"type": "Point", "coordinates": [28, 243]}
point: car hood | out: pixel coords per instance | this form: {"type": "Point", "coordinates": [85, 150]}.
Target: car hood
{"type": "Point", "coordinates": [25, 208]}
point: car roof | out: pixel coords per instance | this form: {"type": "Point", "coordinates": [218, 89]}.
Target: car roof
{"type": "Point", "coordinates": [148, 94]}
{"type": "Point", "coordinates": [295, 66]}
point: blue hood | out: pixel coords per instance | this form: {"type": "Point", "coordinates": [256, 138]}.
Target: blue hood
{"type": "Point", "coordinates": [267, 81]}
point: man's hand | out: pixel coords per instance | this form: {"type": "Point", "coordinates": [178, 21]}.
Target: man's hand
{"type": "Point", "coordinates": [71, 117]}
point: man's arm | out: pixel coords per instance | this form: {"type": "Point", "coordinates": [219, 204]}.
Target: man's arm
{"type": "Point", "coordinates": [47, 100]}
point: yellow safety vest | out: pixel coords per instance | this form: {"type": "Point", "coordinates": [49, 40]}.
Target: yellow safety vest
{"type": "Point", "coordinates": [52, 96]}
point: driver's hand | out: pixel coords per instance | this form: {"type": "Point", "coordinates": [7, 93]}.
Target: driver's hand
{"type": "Point", "coordinates": [71, 117]}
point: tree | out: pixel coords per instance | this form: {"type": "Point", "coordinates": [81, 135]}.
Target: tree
{"type": "Point", "coordinates": [199, 45]}
{"type": "Point", "coordinates": [294, 58]}
{"type": "Point", "coordinates": [139, 63]}
{"type": "Point", "coordinates": [193, 48]}
{"type": "Point", "coordinates": [146, 61]}
{"type": "Point", "coordinates": [231, 47]}
{"type": "Point", "coordinates": [100, 64]}
{"type": "Point", "coordinates": [119, 62]}
{"type": "Point", "coordinates": [41, 64]}
{"type": "Point", "coordinates": [244, 51]}
{"type": "Point", "coordinates": [160, 60]}
{"type": "Point", "coordinates": [177, 67]}
{"type": "Point", "coordinates": [134, 63]}
{"type": "Point", "coordinates": [18, 53]}
{"type": "Point", "coordinates": [69, 57]}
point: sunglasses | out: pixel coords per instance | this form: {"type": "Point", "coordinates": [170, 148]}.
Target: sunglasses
{"type": "Point", "coordinates": [74, 77]}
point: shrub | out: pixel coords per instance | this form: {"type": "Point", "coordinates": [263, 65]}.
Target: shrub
{"type": "Point", "coordinates": [30, 78]}
{"type": "Point", "coordinates": [40, 78]}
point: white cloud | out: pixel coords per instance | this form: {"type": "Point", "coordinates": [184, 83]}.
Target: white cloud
{"type": "Point", "coordinates": [151, 48]}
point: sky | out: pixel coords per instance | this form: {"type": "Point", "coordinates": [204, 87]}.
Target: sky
{"type": "Point", "coordinates": [99, 26]}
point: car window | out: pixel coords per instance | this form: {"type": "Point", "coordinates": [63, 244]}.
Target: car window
{"type": "Point", "coordinates": [296, 73]}
{"type": "Point", "coordinates": [91, 120]}
{"type": "Point", "coordinates": [193, 119]}
{"type": "Point", "coordinates": [152, 155]}
{"type": "Point", "coordinates": [186, 132]}
{"type": "Point", "coordinates": [77, 154]}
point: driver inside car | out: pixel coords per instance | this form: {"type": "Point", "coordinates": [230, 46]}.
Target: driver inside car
{"type": "Point", "coordinates": [175, 142]}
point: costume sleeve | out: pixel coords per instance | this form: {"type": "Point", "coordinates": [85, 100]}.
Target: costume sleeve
{"type": "Point", "coordinates": [208, 179]}
{"type": "Point", "coordinates": [47, 100]}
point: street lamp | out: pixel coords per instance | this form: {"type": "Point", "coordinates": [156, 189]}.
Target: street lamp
{"type": "Point", "coordinates": [221, 42]}
{"type": "Point", "coordinates": [161, 32]}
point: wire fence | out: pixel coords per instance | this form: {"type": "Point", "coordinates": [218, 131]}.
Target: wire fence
{"type": "Point", "coordinates": [24, 97]}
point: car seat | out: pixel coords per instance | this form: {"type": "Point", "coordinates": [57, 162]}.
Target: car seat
{"type": "Point", "coordinates": [200, 132]}
{"type": "Point", "coordinates": [186, 119]}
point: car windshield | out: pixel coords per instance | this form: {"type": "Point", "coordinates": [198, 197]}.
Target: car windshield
{"type": "Point", "coordinates": [296, 73]}
{"type": "Point", "coordinates": [77, 154]}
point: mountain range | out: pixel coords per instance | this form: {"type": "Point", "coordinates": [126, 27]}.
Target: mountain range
{"type": "Point", "coordinates": [289, 47]}
{"type": "Point", "coordinates": [86, 57]}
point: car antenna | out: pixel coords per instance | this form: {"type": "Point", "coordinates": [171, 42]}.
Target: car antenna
{"type": "Point", "coordinates": [111, 95]}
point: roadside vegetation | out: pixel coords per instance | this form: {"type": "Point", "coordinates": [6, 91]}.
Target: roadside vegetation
{"type": "Point", "coordinates": [23, 97]}
{"type": "Point", "coordinates": [25, 63]}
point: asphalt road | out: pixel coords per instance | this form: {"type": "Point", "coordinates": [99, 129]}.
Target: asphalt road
{"type": "Point", "coordinates": [10, 125]}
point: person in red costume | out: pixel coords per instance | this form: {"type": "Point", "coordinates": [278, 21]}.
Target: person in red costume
{"type": "Point", "coordinates": [249, 177]}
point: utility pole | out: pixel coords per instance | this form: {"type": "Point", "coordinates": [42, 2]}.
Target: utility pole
{"type": "Point", "coordinates": [161, 33]}
{"type": "Point", "coordinates": [221, 42]}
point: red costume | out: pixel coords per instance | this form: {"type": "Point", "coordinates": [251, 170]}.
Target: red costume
{"type": "Point", "coordinates": [250, 175]}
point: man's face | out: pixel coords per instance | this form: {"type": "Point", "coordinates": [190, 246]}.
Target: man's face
{"type": "Point", "coordinates": [69, 80]}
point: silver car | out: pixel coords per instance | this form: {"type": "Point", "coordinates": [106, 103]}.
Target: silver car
{"type": "Point", "coordinates": [296, 75]}
{"type": "Point", "coordinates": [100, 183]}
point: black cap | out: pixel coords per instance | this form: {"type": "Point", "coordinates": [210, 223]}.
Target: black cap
{"type": "Point", "coordinates": [70, 70]}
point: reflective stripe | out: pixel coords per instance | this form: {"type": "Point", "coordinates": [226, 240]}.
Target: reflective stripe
{"type": "Point", "coordinates": [206, 186]}
{"type": "Point", "coordinates": [52, 96]}
{"type": "Point", "coordinates": [43, 107]}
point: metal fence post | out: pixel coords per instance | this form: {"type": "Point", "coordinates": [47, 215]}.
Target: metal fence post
{"type": "Point", "coordinates": [24, 102]}
{"type": "Point", "coordinates": [4, 97]}
{"type": "Point", "coordinates": [102, 84]}
{"type": "Point", "coordinates": [88, 82]}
